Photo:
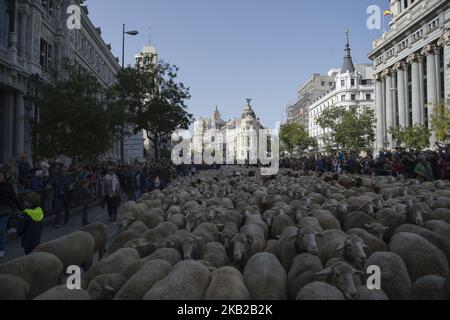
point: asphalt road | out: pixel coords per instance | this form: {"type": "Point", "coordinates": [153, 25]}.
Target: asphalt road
{"type": "Point", "coordinates": [96, 214]}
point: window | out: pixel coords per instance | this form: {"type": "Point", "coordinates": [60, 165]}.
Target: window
{"type": "Point", "coordinates": [342, 83]}
{"type": "Point", "coordinates": [343, 98]}
{"type": "Point", "coordinates": [353, 82]}
{"type": "Point", "coordinates": [331, 84]}
{"type": "Point", "coordinates": [322, 83]}
{"type": "Point", "coordinates": [368, 96]}
{"type": "Point", "coordinates": [43, 57]}
{"type": "Point", "coordinates": [5, 25]}
{"type": "Point", "coordinates": [353, 97]}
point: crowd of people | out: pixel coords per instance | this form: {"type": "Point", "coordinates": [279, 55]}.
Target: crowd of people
{"type": "Point", "coordinates": [53, 188]}
{"type": "Point", "coordinates": [30, 191]}
{"type": "Point", "coordinates": [425, 166]}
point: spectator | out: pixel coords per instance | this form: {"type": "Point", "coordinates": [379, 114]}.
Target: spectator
{"type": "Point", "coordinates": [9, 203]}
{"type": "Point", "coordinates": [63, 184]}
{"type": "Point", "coordinates": [85, 198]}
{"type": "Point", "coordinates": [111, 185]}
{"type": "Point", "coordinates": [24, 170]}
{"type": "Point", "coordinates": [30, 223]}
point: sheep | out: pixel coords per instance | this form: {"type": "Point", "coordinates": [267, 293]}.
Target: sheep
{"type": "Point", "coordinates": [365, 293]}
{"type": "Point", "coordinates": [373, 243]}
{"type": "Point", "coordinates": [265, 278]}
{"type": "Point", "coordinates": [119, 241]}
{"type": "Point", "coordinates": [13, 288]}
{"type": "Point", "coordinates": [257, 219]}
{"type": "Point", "coordinates": [161, 231]}
{"type": "Point", "coordinates": [360, 204]}
{"type": "Point", "coordinates": [40, 270]}
{"type": "Point", "coordinates": [395, 280]}
{"type": "Point", "coordinates": [151, 220]}
{"type": "Point", "coordinates": [326, 220]}
{"type": "Point", "coordinates": [188, 280]}
{"type": "Point", "coordinates": [310, 222]}
{"type": "Point", "coordinates": [442, 214]}
{"type": "Point", "coordinates": [215, 254]}
{"type": "Point", "coordinates": [420, 256]}
{"type": "Point", "coordinates": [294, 241]}
{"type": "Point", "coordinates": [428, 288]}
{"type": "Point", "coordinates": [111, 264]}
{"type": "Point", "coordinates": [205, 232]}
{"type": "Point", "coordinates": [159, 212]}
{"type": "Point", "coordinates": [105, 286]}
{"type": "Point", "coordinates": [168, 254]}
{"type": "Point", "coordinates": [76, 248]}
{"type": "Point", "coordinates": [99, 231]}
{"type": "Point", "coordinates": [177, 219]}
{"type": "Point", "coordinates": [439, 227]}
{"type": "Point", "coordinates": [319, 290]}
{"type": "Point", "coordinates": [229, 231]}
{"type": "Point", "coordinates": [303, 271]}
{"type": "Point", "coordinates": [280, 223]}
{"type": "Point", "coordinates": [341, 274]}
{"type": "Point", "coordinates": [140, 283]}
{"type": "Point", "coordinates": [227, 283]}
{"type": "Point", "coordinates": [137, 228]}
{"type": "Point", "coordinates": [186, 243]}
{"type": "Point", "coordinates": [376, 229]}
{"type": "Point", "coordinates": [335, 244]}
{"type": "Point", "coordinates": [438, 241]}
{"type": "Point", "coordinates": [271, 246]}
{"type": "Point", "coordinates": [249, 241]}
{"type": "Point", "coordinates": [358, 219]}
{"type": "Point", "coordinates": [62, 293]}
{"type": "Point", "coordinates": [391, 219]}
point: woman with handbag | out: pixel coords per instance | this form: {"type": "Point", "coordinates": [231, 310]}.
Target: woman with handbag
{"type": "Point", "coordinates": [8, 204]}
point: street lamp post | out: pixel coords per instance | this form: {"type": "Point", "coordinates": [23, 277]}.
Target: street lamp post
{"type": "Point", "coordinates": [131, 33]}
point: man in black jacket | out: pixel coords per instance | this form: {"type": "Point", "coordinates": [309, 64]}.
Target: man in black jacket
{"type": "Point", "coordinates": [8, 204]}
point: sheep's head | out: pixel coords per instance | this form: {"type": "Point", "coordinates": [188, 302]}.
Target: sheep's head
{"type": "Point", "coordinates": [305, 240]}
{"type": "Point", "coordinates": [191, 220]}
{"type": "Point", "coordinates": [353, 250]}
{"type": "Point", "coordinates": [242, 244]}
{"type": "Point", "coordinates": [100, 288]}
{"type": "Point", "coordinates": [341, 275]}
{"type": "Point", "coordinates": [188, 244]}
{"type": "Point", "coordinates": [414, 215]}
{"type": "Point", "coordinates": [377, 229]}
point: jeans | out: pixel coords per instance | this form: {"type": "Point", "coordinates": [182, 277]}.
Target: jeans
{"type": "Point", "coordinates": [112, 204]}
{"type": "Point", "coordinates": [85, 221]}
{"type": "Point", "coordinates": [60, 204]}
{"type": "Point", "coordinates": [3, 223]}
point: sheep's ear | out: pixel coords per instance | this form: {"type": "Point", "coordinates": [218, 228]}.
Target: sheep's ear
{"type": "Point", "coordinates": [107, 287]}
{"type": "Point", "coordinates": [359, 272]}
{"type": "Point", "coordinates": [368, 226]}
{"type": "Point", "coordinates": [325, 272]}
{"type": "Point", "coordinates": [250, 239]}
{"type": "Point", "coordinates": [341, 246]}
{"type": "Point", "coordinates": [319, 235]}
{"type": "Point", "coordinates": [294, 235]}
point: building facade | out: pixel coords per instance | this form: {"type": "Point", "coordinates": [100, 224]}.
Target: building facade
{"type": "Point", "coordinates": [237, 138]}
{"type": "Point", "coordinates": [352, 88]}
{"type": "Point", "coordinates": [34, 40]}
{"type": "Point", "coordinates": [315, 87]}
{"type": "Point", "coordinates": [411, 63]}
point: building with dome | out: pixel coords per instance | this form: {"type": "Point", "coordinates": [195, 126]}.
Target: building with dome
{"type": "Point", "coordinates": [238, 138]}
{"type": "Point", "coordinates": [353, 88]}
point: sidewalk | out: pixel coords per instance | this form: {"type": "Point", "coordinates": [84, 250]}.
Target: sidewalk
{"type": "Point", "coordinates": [96, 214]}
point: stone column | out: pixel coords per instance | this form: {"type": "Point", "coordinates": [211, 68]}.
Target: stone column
{"type": "Point", "coordinates": [401, 92]}
{"type": "Point", "coordinates": [23, 18]}
{"type": "Point", "coordinates": [20, 124]}
{"type": "Point", "coordinates": [444, 42]}
{"type": "Point", "coordinates": [8, 125]}
{"type": "Point", "coordinates": [432, 98]}
{"type": "Point", "coordinates": [379, 112]}
{"type": "Point", "coordinates": [389, 106]}
{"type": "Point", "coordinates": [413, 59]}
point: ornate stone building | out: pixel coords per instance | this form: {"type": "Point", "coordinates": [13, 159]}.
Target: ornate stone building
{"type": "Point", "coordinates": [411, 63]}
{"type": "Point", "coordinates": [34, 39]}
{"type": "Point", "coordinates": [238, 138]}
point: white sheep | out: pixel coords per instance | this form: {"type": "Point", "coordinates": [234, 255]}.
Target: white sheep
{"type": "Point", "coordinates": [76, 248]}
{"type": "Point", "coordinates": [303, 271]}
{"type": "Point", "coordinates": [319, 290]}
{"type": "Point", "coordinates": [188, 280]}
{"type": "Point", "coordinates": [99, 231]}
{"type": "Point", "coordinates": [227, 283]}
{"type": "Point", "coordinates": [13, 288]}
{"type": "Point", "coordinates": [140, 283]}
{"type": "Point", "coordinates": [265, 278]}
{"type": "Point", "coordinates": [40, 270]}
{"type": "Point", "coordinates": [62, 293]}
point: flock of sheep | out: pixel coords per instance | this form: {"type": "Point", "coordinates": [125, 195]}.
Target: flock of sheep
{"type": "Point", "coordinates": [231, 234]}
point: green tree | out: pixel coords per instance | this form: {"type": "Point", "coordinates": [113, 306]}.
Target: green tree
{"type": "Point", "coordinates": [440, 120]}
{"type": "Point", "coordinates": [156, 100]}
{"type": "Point", "coordinates": [416, 137]}
{"type": "Point", "coordinates": [350, 129]}
{"type": "Point", "coordinates": [76, 119]}
{"type": "Point", "coordinates": [294, 136]}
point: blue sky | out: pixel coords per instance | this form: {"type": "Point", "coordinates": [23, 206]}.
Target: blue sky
{"type": "Point", "coordinates": [234, 49]}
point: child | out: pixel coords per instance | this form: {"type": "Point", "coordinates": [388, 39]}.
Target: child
{"type": "Point", "coordinates": [30, 223]}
